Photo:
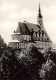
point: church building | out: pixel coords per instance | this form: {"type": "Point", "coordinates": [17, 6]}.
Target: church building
{"type": "Point", "coordinates": [27, 34]}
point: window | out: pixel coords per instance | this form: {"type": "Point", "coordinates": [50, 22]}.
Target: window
{"type": "Point", "coordinates": [29, 38]}
{"type": "Point", "coordinates": [17, 45]}
{"type": "Point", "coordinates": [39, 33]}
{"type": "Point", "coordinates": [32, 32]}
{"type": "Point", "coordinates": [42, 33]}
{"type": "Point", "coordinates": [14, 31]}
{"type": "Point", "coordinates": [47, 38]}
{"type": "Point", "coordinates": [36, 34]}
{"type": "Point", "coordinates": [22, 39]}
{"type": "Point", "coordinates": [26, 38]}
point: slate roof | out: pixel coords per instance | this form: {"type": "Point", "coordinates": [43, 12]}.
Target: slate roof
{"type": "Point", "coordinates": [26, 28]}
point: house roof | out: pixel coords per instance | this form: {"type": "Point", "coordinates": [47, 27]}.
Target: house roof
{"type": "Point", "coordinates": [25, 28]}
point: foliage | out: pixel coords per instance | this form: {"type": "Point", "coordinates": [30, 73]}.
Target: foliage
{"type": "Point", "coordinates": [26, 64]}
{"type": "Point", "coordinates": [48, 70]}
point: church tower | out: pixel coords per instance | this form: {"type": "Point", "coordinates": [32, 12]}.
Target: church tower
{"type": "Point", "coordinates": [40, 18]}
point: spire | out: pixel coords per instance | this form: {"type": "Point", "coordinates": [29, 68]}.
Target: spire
{"type": "Point", "coordinates": [39, 9]}
{"type": "Point", "coordinates": [40, 16]}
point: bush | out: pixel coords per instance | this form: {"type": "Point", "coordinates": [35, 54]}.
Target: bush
{"type": "Point", "coordinates": [33, 65]}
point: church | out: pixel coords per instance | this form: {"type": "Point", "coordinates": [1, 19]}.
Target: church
{"type": "Point", "coordinates": [28, 34]}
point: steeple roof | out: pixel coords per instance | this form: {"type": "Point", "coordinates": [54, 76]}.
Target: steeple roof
{"type": "Point", "coordinates": [40, 16]}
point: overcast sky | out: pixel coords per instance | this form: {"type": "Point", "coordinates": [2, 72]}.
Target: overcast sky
{"type": "Point", "coordinates": [14, 11]}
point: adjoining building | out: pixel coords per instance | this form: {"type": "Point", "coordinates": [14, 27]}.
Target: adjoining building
{"type": "Point", "coordinates": [28, 33]}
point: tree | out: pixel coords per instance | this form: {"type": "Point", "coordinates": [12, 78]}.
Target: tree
{"type": "Point", "coordinates": [18, 65]}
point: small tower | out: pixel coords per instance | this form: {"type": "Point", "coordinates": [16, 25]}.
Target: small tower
{"type": "Point", "coordinates": [40, 18]}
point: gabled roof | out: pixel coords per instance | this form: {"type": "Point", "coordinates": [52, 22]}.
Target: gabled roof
{"type": "Point", "coordinates": [25, 28]}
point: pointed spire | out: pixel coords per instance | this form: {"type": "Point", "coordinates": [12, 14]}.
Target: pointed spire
{"type": "Point", "coordinates": [40, 16]}
{"type": "Point", "coordinates": [39, 9]}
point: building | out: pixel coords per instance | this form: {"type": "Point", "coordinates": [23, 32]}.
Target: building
{"type": "Point", "coordinates": [28, 33]}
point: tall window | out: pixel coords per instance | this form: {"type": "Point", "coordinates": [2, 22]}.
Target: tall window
{"type": "Point", "coordinates": [39, 33]}
{"type": "Point", "coordinates": [42, 33]}
{"type": "Point", "coordinates": [36, 34]}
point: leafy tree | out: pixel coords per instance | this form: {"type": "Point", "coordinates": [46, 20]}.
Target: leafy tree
{"type": "Point", "coordinates": [29, 64]}
{"type": "Point", "coordinates": [48, 70]}
{"type": "Point", "coordinates": [19, 65]}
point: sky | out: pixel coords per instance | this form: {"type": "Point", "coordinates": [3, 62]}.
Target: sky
{"type": "Point", "coordinates": [14, 11]}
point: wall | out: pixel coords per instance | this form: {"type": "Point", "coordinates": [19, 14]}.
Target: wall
{"type": "Point", "coordinates": [38, 44]}
{"type": "Point", "coordinates": [21, 37]}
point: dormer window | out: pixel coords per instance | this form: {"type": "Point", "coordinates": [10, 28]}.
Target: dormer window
{"type": "Point", "coordinates": [39, 33]}
{"type": "Point", "coordinates": [32, 32]}
{"type": "Point", "coordinates": [42, 33]}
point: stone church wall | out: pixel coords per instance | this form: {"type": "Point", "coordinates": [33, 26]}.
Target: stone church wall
{"type": "Point", "coordinates": [21, 37]}
{"type": "Point", "coordinates": [38, 44]}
